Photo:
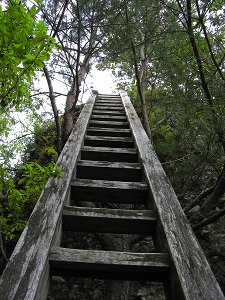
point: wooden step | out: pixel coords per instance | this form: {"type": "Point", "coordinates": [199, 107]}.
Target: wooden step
{"type": "Point", "coordinates": [120, 221]}
{"type": "Point", "coordinates": [108, 170]}
{"type": "Point", "coordinates": [107, 104]}
{"type": "Point", "coordinates": [103, 117]}
{"type": "Point", "coordinates": [101, 131]}
{"type": "Point", "coordinates": [109, 101]}
{"type": "Point", "coordinates": [108, 124]}
{"type": "Point", "coordinates": [105, 107]}
{"type": "Point", "coordinates": [108, 141]}
{"type": "Point", "coordinates": [106, 96]}
{"type": "Point", "coordinates": [108, 112]}
{"type": "Point", "coordinates": [108, 191]}
{"type": "Point", "coordinates": [116, 98]}
{"type": "Point", "coordinates": [109, 264]}
{"type": "Point", "coordinates": [109, 154]}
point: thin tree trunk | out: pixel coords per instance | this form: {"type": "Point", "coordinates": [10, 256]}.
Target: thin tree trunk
{"type": "Point", "coordinates": [71, 100]}
{"type": "Point", "coordinates": [216, 195]}
{"type": "Point", "coordinates": [208, 42]}
{"type": "Point", "coordinates": [143, 85]}
{"type": "Point", "coordinates": [220, 188]}
{"type": "Point", "coordinates": [141, 81]}
{"type": "Point", "coordinates": [140, 77]}
{"type": "Point", "coordinates": [54, 109]}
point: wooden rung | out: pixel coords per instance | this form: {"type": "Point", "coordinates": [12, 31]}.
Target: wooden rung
{"type": "Point", "coordinates": [101, 107]}
{"type": "Point", "coordinates": [109, 264]}
{"type": "Point", "coordinates": [109, 101]}
{"type": "Point", "coordinates": [108, 117]}
{"type": "Point", "coordinates": [108, 141]}
{"type": "Point", "coordinates": [107, 96]}
{"type": "Point", "coordinates": [109, 131]}
{"type": "Point", "coordinates": [86, 219]}
{"type": "Point", "coordinates": [108, 191]}
{"type": "Point", "coordinates": [109, 105]}
{"type": "Point", "coordinates": [108, 124]}
{"type": "Point", "coordinates": [109, 154]}
{"type": "Point", "coordinates": [104, 170]}
{"type": "Point", "coordinates": [108, 112]}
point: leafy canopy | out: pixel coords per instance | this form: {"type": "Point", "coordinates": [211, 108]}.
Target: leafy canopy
{"type": "Point", "coordinates": [24, 46]}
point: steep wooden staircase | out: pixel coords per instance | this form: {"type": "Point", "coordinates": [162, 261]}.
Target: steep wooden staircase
{"type": "Point", "coordinates": [108, 162]}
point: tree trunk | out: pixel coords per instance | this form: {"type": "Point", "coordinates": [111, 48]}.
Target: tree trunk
{"type": "Point", "coordinates": [219, 131]}
{"type": "Point", "coordinates": [143, 86]}
{"type": "Point", "coordinates": [54, 109]}
{"type": "Point", "coordinates": [71, 100]}
{"type": "Point", "coordinates": [68, 116]}
{"type": "Point", "coordinates": [216, 195]}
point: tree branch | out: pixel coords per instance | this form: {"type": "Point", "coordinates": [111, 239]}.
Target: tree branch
{"type": "Point", "coordinates": [210, 219]}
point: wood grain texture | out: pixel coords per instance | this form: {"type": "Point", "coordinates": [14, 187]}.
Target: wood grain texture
{"type": "Point", "coordinates": [108, 191]}
{"type": "Point", "coordinates": [108, 112]}
{"type": "Point", "coordinates": [109, 264]}
{"type": "Point", "coordinates": [24, 275]}
{"type": "Point", "coordinates": [109, 131]}
{"type": "Point", "coordinates": [109, 154]}
{"type": "Point", "coordinates": [104, 170]}
{"type": "Point", "coordinates": [115, 220]}
{"type": "Point", "coordinates": [191, 278]}
{"type": "Point", "coordinates": [113, 108]}
{"type": "Point", "coordinates": [108, 117]}
{"type": "Point", "coordinates": [109, 124]}
{"type": "Point", "coordinates": [108, 141]}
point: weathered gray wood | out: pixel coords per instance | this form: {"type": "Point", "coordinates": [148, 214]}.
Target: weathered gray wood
{"type": "Point", "coordinates": [109, 101]}
{"type": "Point", "coordinates": [109, 265]}
{"type": "Point", "coordinates": [109, 170]}
{"type": "Point", "coordinates": [108, 141]}
{"type": "Point", "coordinates": [191, 277]}
{"type": "Point", "coordinates": [109, 105]}
{"type": "Point", "coordinates": [108, 112]}
{"type": "Point", "coordinates": [106, 96]}
{"type": "Point", "coordinates": [108, 117]}
{"type": "Point", "coordinates": [108, 191]}
{"type": "Point", "coordinates": [109, 131]}
{"type": "Point", "coordinates": [108, 220]}
{"type": "Point", "coordinates": [109, 98]}
{"type": "Point", "coordinates": [113, 108]}
{"type": "Point", "coordinates": [109, 154]}
{"type": "Point", "coordinates": [26, 274]}
{"type": "Point", "coordinates": [108, 124]}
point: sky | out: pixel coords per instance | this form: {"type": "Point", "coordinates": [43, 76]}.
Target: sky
{"type": "Point", "coordinates": [102, 81]}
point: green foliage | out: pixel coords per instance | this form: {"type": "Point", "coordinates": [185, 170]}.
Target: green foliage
{"type": "Point", "coordinates": [21, 185]}
{"type": "Point", "coordinates": [24, 46]}
{"type": "Point", "coordinates": [17, 197]}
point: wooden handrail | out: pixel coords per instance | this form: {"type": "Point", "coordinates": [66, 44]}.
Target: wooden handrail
{"type": "Point", "coordinates": [191, 277]}
{"type": "Point", "coordinates": [26, 275]}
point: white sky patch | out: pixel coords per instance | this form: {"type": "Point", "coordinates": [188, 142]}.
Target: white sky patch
{"type": "Point", "coordinates": [102, 81]}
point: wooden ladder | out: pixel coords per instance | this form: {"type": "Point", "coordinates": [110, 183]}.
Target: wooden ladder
{"type": "Point", "coordinates": [109, 159]}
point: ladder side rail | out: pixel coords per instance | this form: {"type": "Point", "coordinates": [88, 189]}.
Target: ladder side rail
{"type": "Point", "coordinates": [191, 276]}
{"type": "Point", "coordinates": [26, 275]}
